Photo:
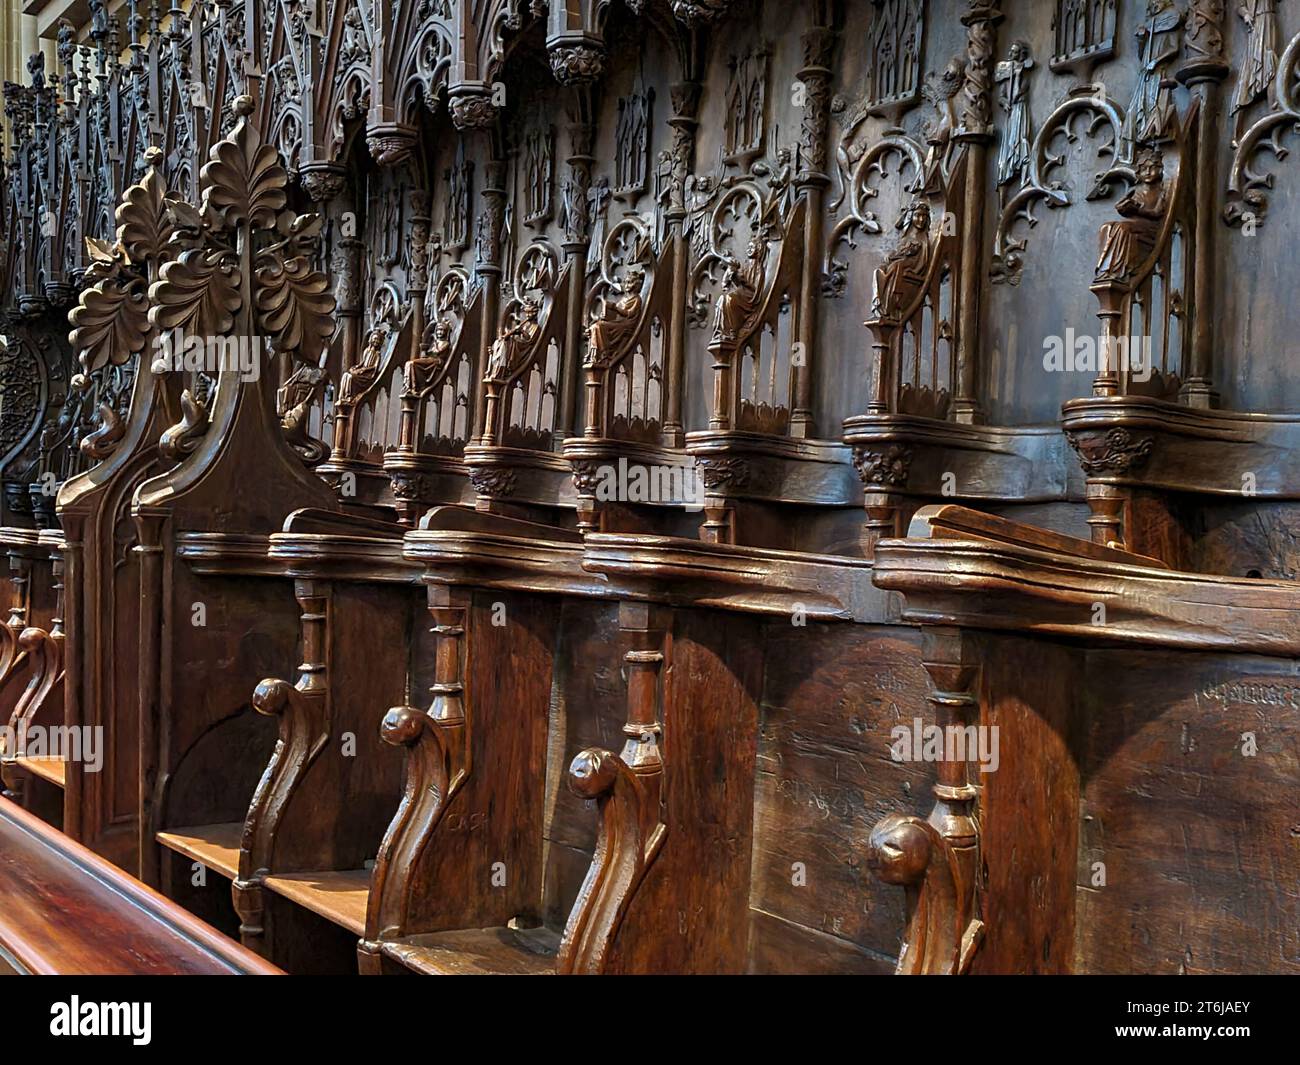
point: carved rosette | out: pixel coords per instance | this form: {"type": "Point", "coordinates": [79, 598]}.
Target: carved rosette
{"type": "Point", "coordinates": [586, 476]}
{"type": "Point", "coordinates": [887, 467]}
{"type": "Point", "coordinates": [1119, 451]}
{"type": "Point", "coordinates": [577, 64]}
{"type": "Point", "coordinates": [409, 486]}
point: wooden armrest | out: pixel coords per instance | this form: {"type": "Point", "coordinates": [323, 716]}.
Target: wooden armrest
{"type": "Point", "coordinates": [314, 520]}
{"type": "Point", "coordinates": [69, 912]}
{"type": "Point", "coordinates": [951, 522]}
{"type": "Point", "coordinates": [465, 519]}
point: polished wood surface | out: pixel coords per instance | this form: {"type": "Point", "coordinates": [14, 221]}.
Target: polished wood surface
{"type": "Point", "coordinates": [67, 911]}
{"type": "Point", "coordinates": [487, 487]}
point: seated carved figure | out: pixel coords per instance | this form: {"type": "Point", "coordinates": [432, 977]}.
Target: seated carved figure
{"type": "Point", "coordinates": [617, 319]}
{"type": "Point", "coordinates": [293, 401]}
{"type": "Point", "coordinates": [742, 289]}
{"type": "Point", "coordinates": [905, 266]}
{"type": "Point", "coordinates": [358, 378]}
{"type": "Point", "coordinates": [296, 394]}
{"type": "Point", "coordinates": [418, 374]}
{"type": "Point", "coordinates": [1126, 244]}
{"type": "Point", "coordinates": [514, 342]}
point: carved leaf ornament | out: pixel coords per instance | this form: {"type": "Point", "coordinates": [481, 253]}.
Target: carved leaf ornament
{"type": "Point", "coordinates": [242, 215]}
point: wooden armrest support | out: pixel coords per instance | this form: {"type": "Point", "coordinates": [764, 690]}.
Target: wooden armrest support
{"type": "Point", "coordinates": [68, 911]}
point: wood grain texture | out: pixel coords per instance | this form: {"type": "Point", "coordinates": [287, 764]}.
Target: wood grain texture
{"type": "Point", "coordinates": [69, 912]}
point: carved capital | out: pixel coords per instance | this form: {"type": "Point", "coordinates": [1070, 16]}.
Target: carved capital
{"type": "Point", "coordinates": [391, 144]}
{"type": "Point", "coordinates": [472, 109]}
{"type": "Point", "coordinates": [323, 181]}
{"type": "Point", "coordinates": [577, 64]}
{"type": "Point", "coordinates": [695, 12]}
{"type": "Point", "coordinates": [886, 465]}
{"type": "Point", "coordinates": [492, 481]}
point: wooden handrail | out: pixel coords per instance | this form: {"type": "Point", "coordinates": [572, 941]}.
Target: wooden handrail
{"type": "Point", "coordinates": [69, 912]}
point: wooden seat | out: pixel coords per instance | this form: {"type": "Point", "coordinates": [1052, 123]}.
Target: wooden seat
{"type": "Point", "coordinates": [478, 952]}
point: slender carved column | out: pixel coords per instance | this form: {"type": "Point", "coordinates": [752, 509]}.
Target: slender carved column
{"type": "Point", "coordinates": [628, 789]}
{"type": "Point", "coordinates": [577, 240]}
{"type": "Point", "coordinates": [976, 130]}
{"type": "Point", "coordinates": [489, 267]}
{"type": "Point", "coordinates": [1110, 296]}
{"type": "Point", "coordinates": [684, 122]}
{"type": "Point", "coordinates": [1203, 70]}
{"type": "Point", "coordinates": [812, 180]}
{"type": "Point", "coordinates": [882, 346]}
{"type": "Point", "coordinates": [302, 711]}
{"type": "Point", "coordinates": [437, 765]}
{"type": "Point", "coordinates": [937, 861]}
{"type": "Point", "coordinates": [345, 263]}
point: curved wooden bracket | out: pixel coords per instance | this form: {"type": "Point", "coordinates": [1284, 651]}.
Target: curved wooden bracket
{"type": "Point", "coordinates": [438, 765]}
{"type": "Point", "coordinates": [628, 789]}
{"type": "Point", "coordinates": [12, 655]}
{"type": "Point", "coordinates": [303, 719]}
{"type": "Point", "coordinates": [44, 650]}
{"type": "Point", "coordinates": [303, 714]}
{"type": "Point", "coordinates": [942, 931]}
{"type": "Point", "coordinates": [630, 837]}
{"type": "Point", "coordinates": [436, 768]}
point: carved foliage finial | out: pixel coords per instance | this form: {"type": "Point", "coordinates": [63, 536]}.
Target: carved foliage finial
{"type": "Point", "coordinates": [242, 212]}
{"type": "Point", "coordinates": [110, 321]}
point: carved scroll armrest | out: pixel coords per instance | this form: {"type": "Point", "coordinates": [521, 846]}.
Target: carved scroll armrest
{"type": "Point", "coordinates": [44, 650]}
{"type": "Point", "coordinates": [938, 861]}
{"type": "Point", "coordinates": [302, 717]}
{"type": "Point", "coordinates": [437, 765]}
{"type": "Point", "coordinates": [12, 654]}
{"type": "Point", "coordinates": [630, 837]}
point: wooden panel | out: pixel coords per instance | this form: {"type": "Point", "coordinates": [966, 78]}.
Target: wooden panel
{"type": "Point", "coordinates": [340, 808]}
{"type": "Point", "coordinates": [825, 776]}
{"type": "Point", "coordinates": [588, 710]}
{"type": "Point", "coordinates": [1029, 806]}
{"type": "Point", "coordinates": [492, 829]}
{"type": "Point", "coordinates": [691, 912]}
{"type": "Point", "coordinates": [1197, 836]}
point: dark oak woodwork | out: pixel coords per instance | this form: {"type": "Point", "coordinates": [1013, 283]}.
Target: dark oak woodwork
{"type": "Point", "coordinates": [495, 478]}
{"type": "Point", "coordinates": [69, 912]}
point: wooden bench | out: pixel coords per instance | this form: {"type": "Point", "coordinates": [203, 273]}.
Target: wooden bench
{"type": "Point", "coordinates": [69, 912]}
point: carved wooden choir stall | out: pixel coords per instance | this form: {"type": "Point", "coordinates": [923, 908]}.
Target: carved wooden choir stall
{"type": "Point", "coordinates": [518, 487]}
